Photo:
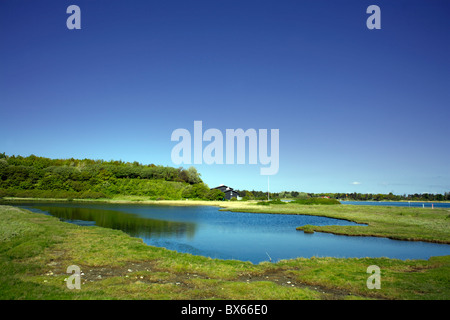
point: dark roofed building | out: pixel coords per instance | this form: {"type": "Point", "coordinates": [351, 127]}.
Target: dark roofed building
{"type": "Point", "coordinates": [229, 192]}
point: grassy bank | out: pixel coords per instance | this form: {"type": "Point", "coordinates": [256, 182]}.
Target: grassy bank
{"type": "Point", "coordinates": [35, 251]}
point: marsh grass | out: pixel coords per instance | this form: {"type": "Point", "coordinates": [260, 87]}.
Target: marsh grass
{"type": "Point", "coordinates": [36, 249]}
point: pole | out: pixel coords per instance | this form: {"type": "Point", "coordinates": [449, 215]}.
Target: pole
{"type": "Point", "coordinates": [268, 188]}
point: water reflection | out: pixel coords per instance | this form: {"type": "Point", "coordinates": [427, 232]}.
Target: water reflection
{"type": "Point", "coordinates": [130, 223]}
{"type": "Point", "coordinates": [204, 230]}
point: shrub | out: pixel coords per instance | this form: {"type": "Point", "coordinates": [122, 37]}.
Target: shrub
{"type": "Point", "coordinates": [215, 194]}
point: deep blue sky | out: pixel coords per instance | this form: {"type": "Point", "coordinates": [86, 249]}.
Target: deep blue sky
{"type": "Point", "coordinates": [358, 110]}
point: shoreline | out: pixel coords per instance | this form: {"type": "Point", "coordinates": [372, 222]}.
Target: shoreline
{"type": "Point", "coordinates": [393, 222]}
{"type": "Point", "coordinates": [111, 256]}
{"type": "Point", "coordinates": [117, 266]}
{"type": "Point", "coordinates": [126, 201]}
{"type": "Point", "coordinates": [186, 201]}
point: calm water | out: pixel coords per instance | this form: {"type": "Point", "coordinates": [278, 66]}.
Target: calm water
{"type": "Point", "coordinates": [415, 204]}
{"type": "Point", "coordinates": [206, 231]}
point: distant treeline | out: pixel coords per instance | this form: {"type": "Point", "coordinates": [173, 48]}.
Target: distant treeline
{"type": "Point", "coordinates": [261, 195]}
{"type": "Point", "coordinates": [386, 197]}
{"type": "Point", "coordinates": [308, 201]}
{"type": "Point", "coordinates": [41, 177]}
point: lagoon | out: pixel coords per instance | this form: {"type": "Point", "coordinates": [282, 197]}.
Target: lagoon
{"type": "Point", "coordinates": [207, 231]}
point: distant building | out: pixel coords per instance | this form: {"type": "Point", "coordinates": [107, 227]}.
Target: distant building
{"type": "Point", "coordinates": [229, 192]}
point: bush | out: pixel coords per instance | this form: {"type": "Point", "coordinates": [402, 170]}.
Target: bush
{"type": "Point", "coordinates": [215, 194]}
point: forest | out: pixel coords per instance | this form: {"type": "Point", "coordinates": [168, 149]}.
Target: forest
{"type": "Point", "coordinates": [40, 177]}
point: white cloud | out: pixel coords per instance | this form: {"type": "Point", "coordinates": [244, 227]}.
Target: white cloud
{"type": "Point", "coordinates": [355, 183]}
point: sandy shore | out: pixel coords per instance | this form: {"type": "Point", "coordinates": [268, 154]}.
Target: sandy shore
{"type": "Point", "coordinates": [222, 204]}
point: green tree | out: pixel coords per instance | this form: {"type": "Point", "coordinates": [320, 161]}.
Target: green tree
{"type": "Point", "coordinates": [193, 176]}
{"type": "Point", "coordinates": [215, 194]}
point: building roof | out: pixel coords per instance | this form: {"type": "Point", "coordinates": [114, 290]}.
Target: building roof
{"type": "Point", "coordinates": [224, 188]}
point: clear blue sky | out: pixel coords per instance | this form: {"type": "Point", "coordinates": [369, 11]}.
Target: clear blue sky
{"type": "Point", "coordinates": [358, 110]}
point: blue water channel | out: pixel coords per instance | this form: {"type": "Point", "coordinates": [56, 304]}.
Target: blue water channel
{"type": "Point", "coordinates": [206, 231]}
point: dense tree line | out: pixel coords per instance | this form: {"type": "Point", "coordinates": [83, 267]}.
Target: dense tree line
{"type": "Point", "coordinates": [35, 176]}
{"type": "Point", "coordinates": [386, 197]}
{"type": "Point", "coordinates": [261, 195]}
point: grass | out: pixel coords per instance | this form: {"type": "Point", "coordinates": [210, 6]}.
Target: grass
{"type": "Point", "coordinates": [317, 201]}
{"type": "Point", "coordinates": [401, 223]}
{"type": "Point", "coordinates": [36, 249]}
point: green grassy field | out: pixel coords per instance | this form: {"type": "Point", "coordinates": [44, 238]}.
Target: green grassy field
{"type": "Point", "coordinates": [35, 251]}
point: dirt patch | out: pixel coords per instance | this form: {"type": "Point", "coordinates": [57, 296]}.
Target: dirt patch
{"type": "Point", "coordinates": [147, 272]}
{"type": "Point", "coordinates": [280, 277]}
